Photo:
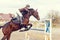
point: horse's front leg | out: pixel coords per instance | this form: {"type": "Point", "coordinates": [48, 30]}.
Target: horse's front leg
{"type": "Point", "coordinates": [30, 25]}
{"type": "Point", "coordinates": [26, 27]}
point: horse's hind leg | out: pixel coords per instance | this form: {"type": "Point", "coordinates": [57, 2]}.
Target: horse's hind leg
{"type": "Point", "coordinates": [8, 37]}
{"type": "Point", "coordinates": [4, 37]}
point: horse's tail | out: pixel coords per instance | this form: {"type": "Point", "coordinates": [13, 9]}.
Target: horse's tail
{"type": "Point", "coordinates": [1, 27]}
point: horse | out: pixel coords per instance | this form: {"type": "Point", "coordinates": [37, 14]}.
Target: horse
{"type": "Point", "coordinates": [10, 27]}
{"type": "Point", "coordinates": [26, 17]}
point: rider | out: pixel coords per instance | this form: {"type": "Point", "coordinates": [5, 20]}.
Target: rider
{"type": "Point", "coordinates": [25, 10]}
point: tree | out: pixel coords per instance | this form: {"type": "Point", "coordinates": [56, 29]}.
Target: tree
{"type": "Point", "coordinates": [54, 15]}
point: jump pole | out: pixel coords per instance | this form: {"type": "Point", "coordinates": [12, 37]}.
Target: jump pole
{"type": "Point", "coordinates": [49, 31]}
{"type": "Point", "coordinates": [27, 36]}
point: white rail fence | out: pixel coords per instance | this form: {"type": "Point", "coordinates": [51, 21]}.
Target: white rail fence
{"type": "Point", "coordinates": [47, 30]}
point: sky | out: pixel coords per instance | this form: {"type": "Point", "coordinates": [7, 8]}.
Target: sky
{"type": "Point", "coordinates": [43, 6]}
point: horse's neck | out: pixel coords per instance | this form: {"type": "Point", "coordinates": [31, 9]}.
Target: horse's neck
{"type": "Point", "coordinates": [26, 16]}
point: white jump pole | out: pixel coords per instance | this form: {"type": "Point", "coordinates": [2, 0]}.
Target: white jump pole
{"type": "Point", "coordinates": [50, 29]}
{"type": "Point", "coordinates": [26, 36]}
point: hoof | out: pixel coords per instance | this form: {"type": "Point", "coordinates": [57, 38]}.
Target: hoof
{"type": "Point", "coordinates": [24, 30]}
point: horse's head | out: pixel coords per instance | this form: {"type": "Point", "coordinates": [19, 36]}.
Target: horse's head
{"type": "Point", "coordinates": [35, 14]}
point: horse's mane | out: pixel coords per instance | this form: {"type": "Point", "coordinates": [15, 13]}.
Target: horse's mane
{"type": "Point", "coordinates": [31, 10]}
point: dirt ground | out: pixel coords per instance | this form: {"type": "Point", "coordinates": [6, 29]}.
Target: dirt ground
{"type": "Point", "coordinates": [28, 35]}
{"type": "Point", "coordinates": [55, 33]}
{"type": "Point", "coordinates": [33, 35]}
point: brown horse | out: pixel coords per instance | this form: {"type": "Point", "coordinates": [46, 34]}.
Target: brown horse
{"type": "Point", "coordinates": [9, 27]}
{"type": "Point", "coordinates": [26, 17]}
